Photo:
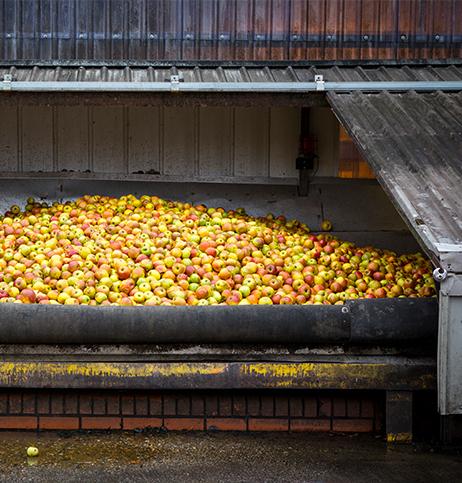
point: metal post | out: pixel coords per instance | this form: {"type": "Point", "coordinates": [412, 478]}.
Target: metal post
{"type": "Point", "coordinates": [450, 345]}
{"type": "Point", "coordinates": [398, 413]}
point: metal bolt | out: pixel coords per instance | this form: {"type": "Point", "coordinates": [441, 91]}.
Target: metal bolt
{"type": "Point", "coordinates": [8, 36]}
{"type": "Point", "coordinates": [439, 274]}
{"type": "Point", "coordinates": [437, 37]}
{"type": "Point", "coordinates": [366, 37]}
{"type": "Point", "coordinates": [152, 36]}
{"type": "Point", "coordinates": [403, 37]}
{"type": "Point", "coordinates": [295, 37]}
{"type": "Point", "coordinates": [222, 37]}
{"type": "Point", "coordinates": [345, 310]}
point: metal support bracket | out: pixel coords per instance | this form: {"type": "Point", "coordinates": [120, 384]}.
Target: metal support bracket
{"type": "Point", "coordinates": [6, 84]}
{"type": "Point", "coordinates": [399, 416]}
{"type": "Point", "coordinates": [319, 81]}
{"type": "Point", "coordinates": [175, 83]}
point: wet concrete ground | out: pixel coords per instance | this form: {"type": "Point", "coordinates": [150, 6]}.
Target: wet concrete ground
{"type": "Point", "coordinates": [220, 457]}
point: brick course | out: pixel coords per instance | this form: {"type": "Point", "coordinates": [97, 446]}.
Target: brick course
{"type": "Point", "coordinates": [268, 410]}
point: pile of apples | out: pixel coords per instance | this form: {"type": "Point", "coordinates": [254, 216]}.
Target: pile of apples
{"type": "Point", "coordinates": [99, 250]}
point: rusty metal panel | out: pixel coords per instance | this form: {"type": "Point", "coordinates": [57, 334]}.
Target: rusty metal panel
{"type": "Point", "coordinates": [369, 28]}
{"type": "Point", "coordinates": [406, 31]}
{"type": "Point", "coordinates": [316, 29]}
{"type": "Point", "coordinates": [47, 28]}
{"type": "Point", "coordinates": [191, 28]}
{"type": "Point", "coordinates": [280, 29]}
{"type": "Point", "coordinates": [116, 28]}
{"type": "Point", "coordinates": [65, 17]}
{"type": "Point", "coordinates": [456, 41]}
{"type": "Point", "coordinates": [423, 29]}
{"type": "Point", "coordinates": [82, 33]}
{"type": "Point", "coordinates": [244, 38]}
{"type": "Point", "coordinates": [137, 35]}
{"type": "Point", "coordinates": [171, 30]}
{"type": "Point", "coordinates": [226, 26]}
{"type": "Point", "coordinates": [351, 27]}
{"type": "Point", "coordinates": [298, 29]}
{"type": "Point", "coordinates": [387, 29]}
{"type": "Point", "coordinates": [154, 39]}
{"type": "Point", "coordinates": [99, 37]}
{"type": "Point", "coordinates": [228, 29]}
{"type": "Point", "coordinates": [262, 29]}
{"type": "Point", "coordinates": [392, 373]}
{"type": "Point", "coordinates": [10, 25]}
{"type": "Point", "coordinates": [207, 34]}
{"type": "Point", "coordinates": [443, 19]}
{"type": "Point", "coordinates": [29, 47]}
{"type": "Point", "coordinates": [333, 26]}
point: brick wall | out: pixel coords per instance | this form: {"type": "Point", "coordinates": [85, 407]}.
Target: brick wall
{"type": "Point", "coordinates": [192, 411]}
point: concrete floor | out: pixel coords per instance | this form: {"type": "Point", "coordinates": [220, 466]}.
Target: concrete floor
{"type": "Point", "coordinates": [220, 457]}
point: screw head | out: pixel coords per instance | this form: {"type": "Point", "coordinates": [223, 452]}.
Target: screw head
{"type": "Point", "coordinates": [439, 274]}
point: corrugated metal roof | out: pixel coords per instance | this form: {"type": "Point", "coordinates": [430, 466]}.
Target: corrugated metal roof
{"type": "Point", "coordinates": [230, 29]}
{"type": "Point", "coordinates": [414, 144]}
{"type": "Point", "coordinates": [198, 73]}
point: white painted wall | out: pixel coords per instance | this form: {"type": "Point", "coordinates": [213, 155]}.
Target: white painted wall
{"type": "Point", "coordinates": [191, 142]}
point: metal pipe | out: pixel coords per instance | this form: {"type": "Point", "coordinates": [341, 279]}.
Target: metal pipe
{"type": "Point", "coordinates": [283, 87]}
{"type": "Point", "coordinates": [358, 321]}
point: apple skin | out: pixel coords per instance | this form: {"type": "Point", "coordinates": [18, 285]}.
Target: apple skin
{"type": "Point", "coordinates": [99, 250]}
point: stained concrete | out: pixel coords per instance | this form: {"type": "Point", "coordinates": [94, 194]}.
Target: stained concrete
{"type": "Point", "coordinates": [221, 457]}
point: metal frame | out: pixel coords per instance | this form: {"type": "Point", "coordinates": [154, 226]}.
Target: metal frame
{"type": "Point", "coordinates": [176, 86]}
{"type": "Point", "coordinates": [450, 346]}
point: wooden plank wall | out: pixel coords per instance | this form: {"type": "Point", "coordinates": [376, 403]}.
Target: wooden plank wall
{"type": "Point", "coordinates": [230, 29]}
{"type": "Point", "coordinates": [179, 141]}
